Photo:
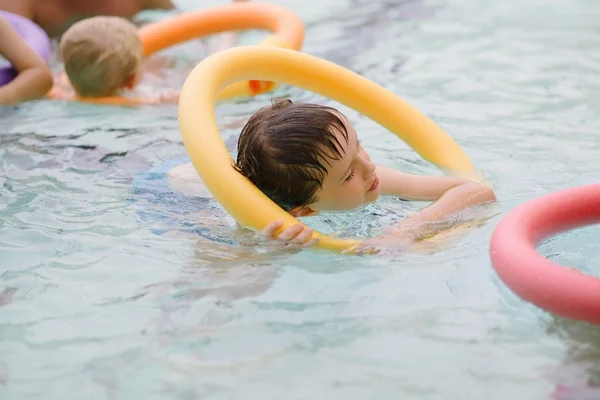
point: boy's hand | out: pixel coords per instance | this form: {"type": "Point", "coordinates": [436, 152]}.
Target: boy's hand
{"type": "Point", "coordinates": [298, 234]}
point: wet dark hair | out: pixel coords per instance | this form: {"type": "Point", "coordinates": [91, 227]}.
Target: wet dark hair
{"type": "Point", "coordinates": [285, 149]}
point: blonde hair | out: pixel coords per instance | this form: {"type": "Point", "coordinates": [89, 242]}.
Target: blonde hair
{"type": "Point", "coordinates": [101, 54]}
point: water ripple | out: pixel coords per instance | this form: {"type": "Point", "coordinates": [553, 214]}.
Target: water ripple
{"type": "Point", "coordinates": [93, 301]}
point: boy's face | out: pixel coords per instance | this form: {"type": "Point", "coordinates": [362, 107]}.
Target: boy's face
{"type": "Point", "coordinates": [351, 181]}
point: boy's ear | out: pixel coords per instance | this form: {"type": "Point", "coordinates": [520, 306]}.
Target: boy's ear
{"type": "Point", "coordinates": [303, 212]}
{"type": "Point", "coordinates": [131, 81]}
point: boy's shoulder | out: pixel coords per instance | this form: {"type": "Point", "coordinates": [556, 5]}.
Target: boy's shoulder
{"type": "Point", "coordinates": [183, 178]}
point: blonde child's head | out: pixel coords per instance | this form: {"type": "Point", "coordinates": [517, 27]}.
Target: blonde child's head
{"type": "Point", "coordinates": [101, 55]}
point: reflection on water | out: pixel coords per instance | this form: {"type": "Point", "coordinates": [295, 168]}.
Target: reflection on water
{"type": "Point", "coordinates": [578, 377]}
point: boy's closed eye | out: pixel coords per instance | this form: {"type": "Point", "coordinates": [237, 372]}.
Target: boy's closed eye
{"type": "Point", "coordinates": [350, 176]}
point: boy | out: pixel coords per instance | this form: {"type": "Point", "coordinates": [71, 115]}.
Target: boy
{"type": "Point", "coordinates": [307, 159]}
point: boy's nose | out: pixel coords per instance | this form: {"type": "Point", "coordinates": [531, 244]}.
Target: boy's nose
{"type": "Point", "coordinates": [369, 167]}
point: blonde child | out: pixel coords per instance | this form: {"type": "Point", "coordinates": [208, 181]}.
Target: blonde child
{"type": "Point", "coordinates": [103, 56]}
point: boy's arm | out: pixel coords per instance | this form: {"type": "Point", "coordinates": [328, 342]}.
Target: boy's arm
{"type": "Point", "coordinates": [450, 195]}
{"type": "Point", "coordinates": [34, 79]}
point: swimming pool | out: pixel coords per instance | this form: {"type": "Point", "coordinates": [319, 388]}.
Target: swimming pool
{"type": "Point", "coordinates": [96, 305]}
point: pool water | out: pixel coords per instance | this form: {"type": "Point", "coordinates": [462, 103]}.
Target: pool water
{"type": "Point", "coordinates": [98, 301]}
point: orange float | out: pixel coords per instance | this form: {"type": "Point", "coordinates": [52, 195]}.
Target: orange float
{"type": "Point", "coordinates": [287, 29]}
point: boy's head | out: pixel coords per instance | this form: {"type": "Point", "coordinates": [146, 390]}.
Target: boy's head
{"type": "Point", "coordinates": [102, 55]}
{"type": "Point", "coordinates": [306, 158]}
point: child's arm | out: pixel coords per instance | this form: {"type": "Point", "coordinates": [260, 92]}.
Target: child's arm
{"type": "Point", "coordinates": [450, 195]}
{"type": "Point", "coordinates": [34, 79]}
